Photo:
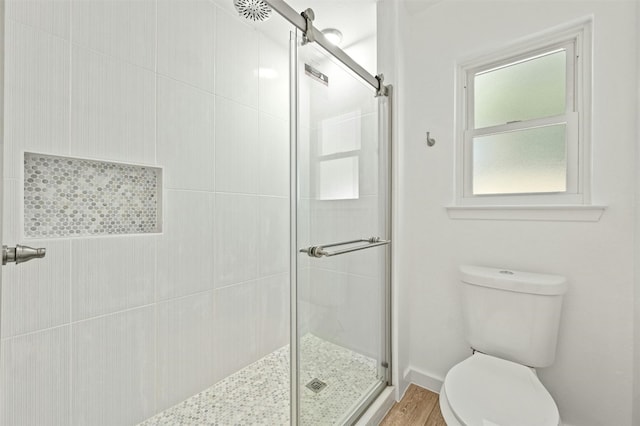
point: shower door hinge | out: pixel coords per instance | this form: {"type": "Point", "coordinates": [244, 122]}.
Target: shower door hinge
{"type": "Point", "coordinates": [384, 364]}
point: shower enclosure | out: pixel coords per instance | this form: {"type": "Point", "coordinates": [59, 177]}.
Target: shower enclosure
{"type": "Point", "coordinates": [213, 196]}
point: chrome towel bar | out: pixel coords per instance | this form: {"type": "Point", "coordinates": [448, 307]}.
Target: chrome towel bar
{"type": "Point", "coordinates": [319, 251]}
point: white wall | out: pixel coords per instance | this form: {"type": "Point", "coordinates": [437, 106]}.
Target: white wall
{"type": "Point", "coordinates": [392, 17]}
{"type": "Point", "coordinates": [110, 330]}
{"type": "Point", "coordinates": [592, 377]}
{"type": "Point", "coordinates": [636, 366]}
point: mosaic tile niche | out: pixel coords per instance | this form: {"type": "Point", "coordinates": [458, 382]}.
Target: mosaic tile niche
{"type": "Point", "coordinates": [72, 197]}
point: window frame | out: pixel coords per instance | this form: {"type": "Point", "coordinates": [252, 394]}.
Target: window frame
{"type": "Point", "coordinates": [576, 40]}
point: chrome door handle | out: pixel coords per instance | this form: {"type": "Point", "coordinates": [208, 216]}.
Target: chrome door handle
{"type": "Point", "coordinates": [20, 254]}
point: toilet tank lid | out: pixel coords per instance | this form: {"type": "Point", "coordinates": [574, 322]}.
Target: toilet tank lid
{"type": "Point", "coordinates": [517, 281]}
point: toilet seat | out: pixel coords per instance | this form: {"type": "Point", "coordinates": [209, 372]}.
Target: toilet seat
{"type": "Point", "coordinates": [487, 391]}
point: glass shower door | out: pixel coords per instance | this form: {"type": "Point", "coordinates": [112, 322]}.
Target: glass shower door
{"type": "Point", "coordinates": [343, 242]}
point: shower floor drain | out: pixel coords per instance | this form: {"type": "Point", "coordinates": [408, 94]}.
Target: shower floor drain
{"type": "Point", "coordinates": [316, 385]}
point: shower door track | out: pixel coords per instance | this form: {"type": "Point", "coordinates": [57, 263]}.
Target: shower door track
{"type": "Point", "coordinates": [304, 24]}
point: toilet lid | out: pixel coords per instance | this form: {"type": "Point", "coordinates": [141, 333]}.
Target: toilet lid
{"type": "Point", "coordinates": [488, 391]}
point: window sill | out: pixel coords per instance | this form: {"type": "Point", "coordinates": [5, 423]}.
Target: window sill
{"type": "Point", "coordinates": [568, 213]}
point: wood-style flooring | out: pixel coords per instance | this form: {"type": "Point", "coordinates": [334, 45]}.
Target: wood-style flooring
{"type": "Point", "coordinates": [418, 407]}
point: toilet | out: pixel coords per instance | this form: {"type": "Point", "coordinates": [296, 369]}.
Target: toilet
{"type": "Point", "coordinates": [511, 323]}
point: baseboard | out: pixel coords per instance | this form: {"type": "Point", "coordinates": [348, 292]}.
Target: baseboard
{"type": "Point", "coordinates": [380, 407]}
{"type": "Point", "coordinates": [429, 381]}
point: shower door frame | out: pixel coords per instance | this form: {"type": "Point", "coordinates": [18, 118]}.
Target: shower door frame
{"type": "Point", "coordinates": [303, 22]}
{"type": "Point", "coordinates": [385, 114]}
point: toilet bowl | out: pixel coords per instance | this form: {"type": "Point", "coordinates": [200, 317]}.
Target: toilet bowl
{"type": "Point", "coordinates": [484, 390]}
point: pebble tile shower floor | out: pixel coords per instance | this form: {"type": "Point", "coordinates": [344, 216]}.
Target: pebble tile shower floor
{"type": "Point", "coordinates": [259, 393]}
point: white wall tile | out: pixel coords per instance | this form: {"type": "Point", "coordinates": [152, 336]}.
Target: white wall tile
{"type": "Point", "coordinates": [123, 29]}
{"type": "Point", "coordinates": [329, 222]}
{"type": "Point", "coordinates": [36, 379]}
{"type": "Point", "coordinates": [12, 211]}
{"type": "Point", "coordinates": [368, 263]}
{"type": "Point", "coordinates": [344, 220]}
{"type": "Point", "coordinates": [112, 109]}
{"type": "Point", "coordinates": [369, 161]}
{"type": "Point", "coordinates": [36, 95]}
{"type": "Point", "coordinates": [237, 155]}
{"type": "Point", "coordinates": [35, 295]}
{"type": "Point", "coordinates": [273, 228]}
{"type": "Point", "coordinates": [328, 288]}
{"type": "Point", "coordinates": [237, 59]}
{"type": "Point", "coordinates": [305, 307]}
{"type": "Point", "coordinates": [364, 216]}
{"type": "Point", "coordinates": [112, 274]}
{"type": "Point", "coordinates": [113, 368]}
{"type": "Point", "coordinates": [274, 77]}
{"type": "Point", "coordinates": [51, 16]}
{"type": "Point", "coordinates": [362, 316]}
{"type": "Point", "coordinates": [186, 250]}
{"type": "Point", "coordinates": [186, 136]}
{"type": "Point", "coordinates": [236, 344]}
{"type": "Point", "coordinates": [236, 242]}
{"type": "Point", "coordinates": [272, 313]}
{"type": "Point", "coordinates": [273, 148]}
{"type": "Point", "coordinates": [185, 348]}
{"type": "Point", "coordinates": [347, 310]}
{"type": "Point", "coordinates": [186, 41]}
{"type": "Point", "coordinates": [304, 231]}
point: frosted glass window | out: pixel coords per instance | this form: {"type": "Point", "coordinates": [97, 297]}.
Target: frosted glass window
{"type": "Point", "coordinates": [523, 90]}
{"type": "Point", "coordinates": [339, 179]}
{"type": "Point", "coordinates": [524, 161]}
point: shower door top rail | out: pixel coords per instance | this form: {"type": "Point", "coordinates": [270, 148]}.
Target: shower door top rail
{"type": "Point", "coordinates": [303, 21]}
{"type": "Point", "coordinates": [319, 251]}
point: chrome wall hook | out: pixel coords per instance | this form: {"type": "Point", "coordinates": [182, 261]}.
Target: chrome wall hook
{"type": "Point", "coordinates": [430, 141]}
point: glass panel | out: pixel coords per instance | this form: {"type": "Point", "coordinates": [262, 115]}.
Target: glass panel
{"type": "Point", "coordinates": [340, 309]}
{"type": "Point", "coordinates": [338, 179]}
{"type": "Point", "coordinates": [524, 161]}
{"type": "Point", "coordinates": [341, 133]}
{"type": "Point", "coordinates": [523, 90]}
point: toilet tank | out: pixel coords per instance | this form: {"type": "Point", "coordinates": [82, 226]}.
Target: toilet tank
{"type": "Point", "coordinates": [512, 315]}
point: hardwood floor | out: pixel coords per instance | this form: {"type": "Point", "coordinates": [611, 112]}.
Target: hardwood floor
{"type": "Point", "coordinates": [418, 407]}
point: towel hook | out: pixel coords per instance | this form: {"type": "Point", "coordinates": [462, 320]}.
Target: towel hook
{"type": "Point", "coordinates": [430, 141]}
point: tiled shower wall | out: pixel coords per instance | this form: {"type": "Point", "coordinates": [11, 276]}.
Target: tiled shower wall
{"type": "Point", "coordinates": [110, 330]}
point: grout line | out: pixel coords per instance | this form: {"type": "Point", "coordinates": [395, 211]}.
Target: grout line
{"type": "Point", "coordinates": [252, 280]}
{"type": "Point", "coordinates": [186, 83]}
{"type": "Point", "coordinates": [214, 192]}
{"type": "Point", "coordinates": [30, 333]}
{"type": "Point", "coordinates": [343, 273]}
{"type": "Point", "coordinates": [72, 323]}
{"type": "Point", "coordinates": [38, 29]}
